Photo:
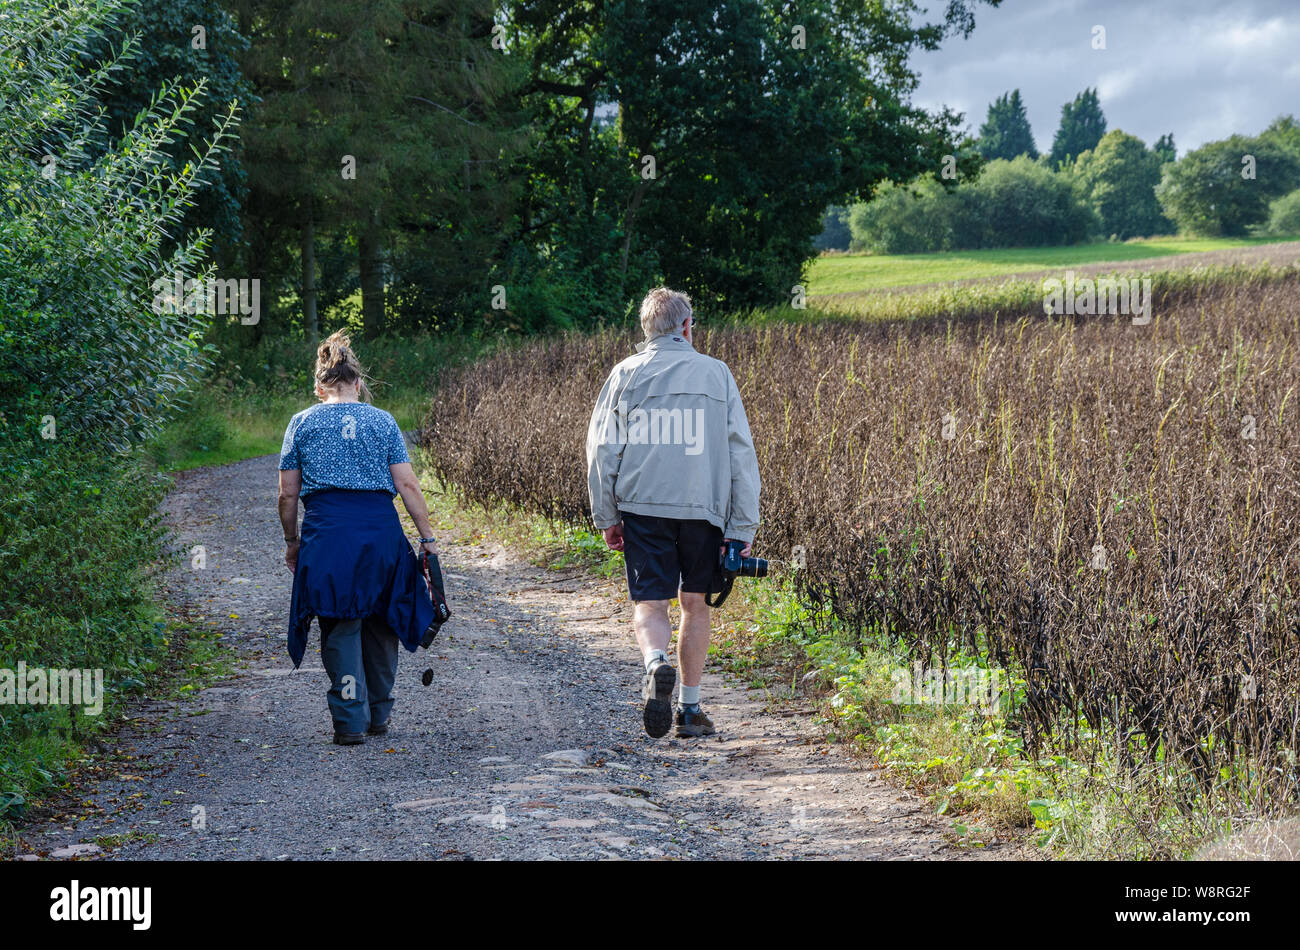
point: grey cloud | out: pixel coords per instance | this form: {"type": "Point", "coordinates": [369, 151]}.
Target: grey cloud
{"type": "Point", "coordinates": [1200, 69]}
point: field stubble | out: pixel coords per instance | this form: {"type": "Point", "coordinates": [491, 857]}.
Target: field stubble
{"type": "Point", "coordinates": [1108, 511]}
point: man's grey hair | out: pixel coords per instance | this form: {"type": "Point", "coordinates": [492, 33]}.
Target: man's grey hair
{"type": "Point", "coordinates": [663, 311]}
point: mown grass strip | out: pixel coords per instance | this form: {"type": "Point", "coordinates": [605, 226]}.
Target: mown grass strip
{"type": "Point", "coordinates": [853, 273]}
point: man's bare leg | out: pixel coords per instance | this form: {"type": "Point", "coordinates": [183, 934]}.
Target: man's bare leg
{"type": "Point", "coordinates": [693, 640]}
{"type": "Point", "coordinates": [651, 625]}
{"type": "Point", "coordinates": [653, 631]}
{"type": "Point", "coordinates": [692, 652]}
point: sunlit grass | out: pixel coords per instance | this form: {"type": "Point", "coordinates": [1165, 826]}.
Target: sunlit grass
{"type": "Point", "coordinates": [847, 273]}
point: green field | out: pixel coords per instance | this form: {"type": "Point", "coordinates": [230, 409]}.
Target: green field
{"type": "Point", "coordinates": [847, 273]}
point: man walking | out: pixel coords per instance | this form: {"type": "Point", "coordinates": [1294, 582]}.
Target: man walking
{"type": "Point", "coordinates": [671, 473]}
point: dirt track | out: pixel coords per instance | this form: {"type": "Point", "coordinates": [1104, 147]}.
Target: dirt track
{"type": "Point", "coordinates": [528, 744]}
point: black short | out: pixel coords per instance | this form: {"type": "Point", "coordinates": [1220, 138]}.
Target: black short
{"type": "Point", "coordinates": [664, 554]}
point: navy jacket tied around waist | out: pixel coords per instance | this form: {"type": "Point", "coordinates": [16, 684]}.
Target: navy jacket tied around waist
{"type": "Point", "coordinates": [354, 562]}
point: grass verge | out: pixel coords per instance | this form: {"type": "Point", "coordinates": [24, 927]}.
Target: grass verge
{"type": "Point", "coordinates": [45, 767]}
{"type": "Point", "coordinates": [82, 550]}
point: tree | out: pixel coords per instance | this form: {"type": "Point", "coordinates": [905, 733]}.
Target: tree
{"type": "Point", "coordinates": [1224, 187]}
{"type": "Point", "coordinates": [1082, 126]}
{"type": "Point", "coordinates": [1165, 148]}
{"type": "Point", "coordinates": [1118, 180]}
{"type": "Point", "coordinates": [736, 125]}
{"type": "Point", "coordinates": [391, 127]}
{"type": "Point", "coordinates": [835, 234]}
{"type": "Point", "coordinates": [191, 40]}
{"type": "Point", "coordinates": [1284, 132]}
{"type": "Point", "coordinates": [283, 143]}
{"type": "Point", "coordinates": [1006, 132]}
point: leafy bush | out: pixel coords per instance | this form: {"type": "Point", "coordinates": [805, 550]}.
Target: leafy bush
{"type": "Point", "coordinates": [903, 219]}
{"type": "Point", "coordinates": [88, 367]}
{"type": "Point", "coordinates": [1018, 203]}
{"type": "Point", "coordinates": [81, 538]}
{"type": "Point", "coordinates": [1021, 203]}
{"type": "Point", "coordinates": [80, 340]}
{"type": "Point", "coordinates": [1284, 215]}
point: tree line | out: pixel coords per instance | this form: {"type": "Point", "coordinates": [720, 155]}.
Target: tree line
{"type": "Point", "coordinates": [428, 164]}
{"type": "Point", "coordinates": [1093, 184]}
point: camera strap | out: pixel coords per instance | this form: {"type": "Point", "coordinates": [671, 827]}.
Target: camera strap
{"type": "Point", "coordinates": [727, 581]}
{"type": "Point", "coordinates": [432, 572]}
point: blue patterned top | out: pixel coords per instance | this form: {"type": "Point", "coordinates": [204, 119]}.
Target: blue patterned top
{"type": "Point", "coordinates": [343, 445]}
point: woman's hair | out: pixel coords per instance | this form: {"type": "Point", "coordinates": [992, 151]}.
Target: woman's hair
{"type": "Point", "coordinates": [336, 363]}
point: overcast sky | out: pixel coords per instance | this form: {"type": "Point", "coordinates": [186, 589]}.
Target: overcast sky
{"type": "Point", "coordinates": [1201, 69]}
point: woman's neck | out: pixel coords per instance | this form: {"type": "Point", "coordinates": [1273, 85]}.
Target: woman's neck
{"type": "Point", "coordinates": [335, 394]}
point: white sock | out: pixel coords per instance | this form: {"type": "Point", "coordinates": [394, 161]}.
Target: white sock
{"type": "Point", "coordinates": [690, 695]}
{"type": "Point", "coordinates": [652, 656]}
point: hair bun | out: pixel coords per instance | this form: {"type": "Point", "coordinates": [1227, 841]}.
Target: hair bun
{"type": "Point", "coordinates": [337, 363]}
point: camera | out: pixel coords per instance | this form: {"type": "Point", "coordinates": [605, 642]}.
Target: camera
{"type": "Point", "coordinates": [730, 566]}
{"type": "Point", "coordinates": [732, 563]}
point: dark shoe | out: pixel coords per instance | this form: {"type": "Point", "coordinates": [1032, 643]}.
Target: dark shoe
{"type": "Point", "coordinates": [657, 690]}
{"type": "Point", "coordinates": [692, 723]}
{"type": "Point", "coordinates": [349, 738]}
{"type": "Point", "coordinates": [378, 730]}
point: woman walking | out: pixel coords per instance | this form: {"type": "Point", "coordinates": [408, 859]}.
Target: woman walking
{"type": "Point", "coordinates": [352, 565]}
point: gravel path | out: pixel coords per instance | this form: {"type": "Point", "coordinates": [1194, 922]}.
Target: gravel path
{"type": "Point", "coordinates": [528, 743]}
{"type": "Point", "coordinates": [1280, 254]}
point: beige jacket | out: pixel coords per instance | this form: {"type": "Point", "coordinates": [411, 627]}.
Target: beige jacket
{"type": "Point", "coordinates": [669, 437]}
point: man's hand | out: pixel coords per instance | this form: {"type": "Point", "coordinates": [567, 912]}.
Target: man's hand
{"type": "Point", "coordinates": [744, 552]}
{"type": "Point", "coordinates": [291, 555]}
{"type": "Point", "coordinates": [614, 536]}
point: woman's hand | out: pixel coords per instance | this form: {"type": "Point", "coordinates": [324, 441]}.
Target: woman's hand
{"type": "Point", "coordinates": [291, 555]}
{"type": "Point", "coordinates": [431, 547]}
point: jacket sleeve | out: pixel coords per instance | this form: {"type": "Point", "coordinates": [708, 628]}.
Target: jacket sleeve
{"type": "Point", "coordinates": [604, 455]}
{"type": "Point", "coordinates": [742, 517]}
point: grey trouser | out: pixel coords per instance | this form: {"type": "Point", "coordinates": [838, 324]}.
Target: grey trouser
{"type": "Point", "coordinates": [361, 659]}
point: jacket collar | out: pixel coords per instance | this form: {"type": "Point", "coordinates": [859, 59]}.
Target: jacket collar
{"type": "Point", "coordinates": [665, 341]}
